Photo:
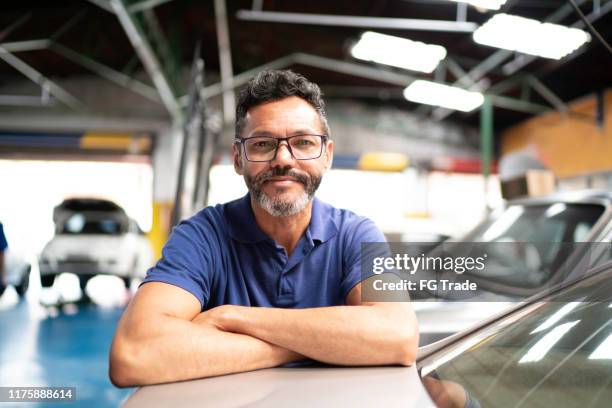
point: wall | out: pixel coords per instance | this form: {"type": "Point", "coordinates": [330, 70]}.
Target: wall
{"type": "Point", "coordinates": [569, 145]}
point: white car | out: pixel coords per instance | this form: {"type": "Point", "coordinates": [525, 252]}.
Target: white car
{"type": "Point", "coordinates": [94, 237]}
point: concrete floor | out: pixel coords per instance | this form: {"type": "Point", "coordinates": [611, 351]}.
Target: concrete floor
{"type": "Point", "coordinates": [59, 344]}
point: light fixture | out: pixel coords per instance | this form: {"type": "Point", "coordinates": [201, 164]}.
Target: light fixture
{"type": "Point", "coordinates": [433, 93]}
{"type": "Point", "coordinates": [487, 4]}
{"type": "Point", "coordinates": [530, 36]}
{"type": "Point", "coordinates": [398, 52]}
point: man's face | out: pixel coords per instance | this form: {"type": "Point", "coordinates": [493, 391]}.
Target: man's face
{"type": "Point", "coordinates": [283, 186]}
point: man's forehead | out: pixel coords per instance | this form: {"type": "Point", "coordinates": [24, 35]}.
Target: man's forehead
{"type": "Point", "coordinates": [291, 114]}
{"type": "Point", "coordinates": [288, 105]}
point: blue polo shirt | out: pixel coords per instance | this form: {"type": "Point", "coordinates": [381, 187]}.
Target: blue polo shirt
{"type": "Point", "coordinates": [221, 256]}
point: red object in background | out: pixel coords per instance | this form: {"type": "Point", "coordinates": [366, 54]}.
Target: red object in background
{"type": "Point", "coordinates": [460, 165]}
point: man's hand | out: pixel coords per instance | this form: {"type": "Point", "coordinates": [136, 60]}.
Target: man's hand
{"type": "Point", "coordinates": [360, 334]}
{"type": "Point", "coordinates": [220, 317]}
{"type": "Point", "coordinates": [158, 342]}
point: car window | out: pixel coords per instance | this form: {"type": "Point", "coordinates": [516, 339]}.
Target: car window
{"type": "Point", "coordinates": [552, 222]}
{"type": "Point", "coordinates": [557, 355]}
{"type": "Point", "coordinates": [546, 234]}
{"type": "Point", "coordinates": [81, 224]}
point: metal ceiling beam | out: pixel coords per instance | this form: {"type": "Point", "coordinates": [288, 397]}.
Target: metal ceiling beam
{"type": "Point", "coordinates": [145, 5]}
{"type": "Point", "coordinates": [21, 46]}
{"type": "Point", "coordinates": [225, 61]}
{"type": "Point", "coordinates": [152, 31]}
{"type": "Point", "coordinates": [103, 4]}
{"type": "Point", "coordinates": [547, 94]}
{"type": "Point", "coordinates": [356, 21]}
{"type": "Point", "coordinates": [106, 72]}
{"type": "Point", "coordinates": [240, 79]}
{"type": "Point", "coordinates": [149, 60]}
{"type": "Point", "coordinates": [101, 70]}
{"type": "Point", "coordinates": [457, 71]}
{"type": "Point", "coordinates": [15, 25]}
{"type": "Point", "coordinates": [25, 100]}
{"type": "Point", "coordinates": [45, 83]}
{"type": "Point", "coordinates": [351, 68]}
{"type": "Point", "coordinates": [47, 120]}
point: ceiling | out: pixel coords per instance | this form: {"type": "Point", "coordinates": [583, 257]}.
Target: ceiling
{"type": "Point", "coordinates": [96, 33]}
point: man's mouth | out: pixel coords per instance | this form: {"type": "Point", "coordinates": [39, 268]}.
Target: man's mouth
{"type": "Point", "coordinates": [281, 181]}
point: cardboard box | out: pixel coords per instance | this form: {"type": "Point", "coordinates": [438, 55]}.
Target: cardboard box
{"type": "Point", "coordinates": [533, 183]}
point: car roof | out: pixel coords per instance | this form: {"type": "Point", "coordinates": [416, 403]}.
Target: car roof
{"type": "Point", "coordinates": [88, 204]}
{"type": "Point", "coordinates": [603, 197]}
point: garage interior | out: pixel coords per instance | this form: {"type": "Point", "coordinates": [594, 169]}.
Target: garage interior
{"type": "Point", "coordinates": [133, 101]}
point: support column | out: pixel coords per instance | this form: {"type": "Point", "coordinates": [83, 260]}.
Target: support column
{"type": "Point", "coordinates": [486, 141]}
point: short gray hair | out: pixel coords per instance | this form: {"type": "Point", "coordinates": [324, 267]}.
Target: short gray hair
{"type": "Point", "coordinates": [272, 85]}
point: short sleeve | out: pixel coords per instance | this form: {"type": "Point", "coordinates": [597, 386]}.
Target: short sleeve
{"type": "Point", "coordinates": [187, 260]}
{"type": "Point", "coordinates": [364, 231]}
{"type": "Point", "coordinates": [3, 243]}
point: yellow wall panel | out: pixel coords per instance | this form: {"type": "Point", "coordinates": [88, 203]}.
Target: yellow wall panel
{"type": "Point", "coordinates": [569, 145]}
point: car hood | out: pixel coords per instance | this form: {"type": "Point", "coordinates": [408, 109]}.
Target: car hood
{"type": "Point", "coordinates": [310, 386]}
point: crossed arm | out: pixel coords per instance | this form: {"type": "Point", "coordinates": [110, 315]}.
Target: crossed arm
{"type": "Point", "coordinates": [173, 341]}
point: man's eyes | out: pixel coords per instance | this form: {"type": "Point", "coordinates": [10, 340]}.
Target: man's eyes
{"type": "Point", "coordinates": [264, 143]}
{"type": "Point", "coordinates": [303, 142]}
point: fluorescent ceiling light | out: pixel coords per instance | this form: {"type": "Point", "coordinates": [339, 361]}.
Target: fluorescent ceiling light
{"type": "Point", "coordinates": [530, 36]}
{"type": "Point", "coordinates": [398, 52]}
{"type": "Point", "coordinates": [432, 93]}
{"type": "Point", "coordinates": [487, 4]}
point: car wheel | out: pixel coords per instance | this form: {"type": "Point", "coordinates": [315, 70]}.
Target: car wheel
{"type": "Point", "coordinates": [46, 281]}
{"type": "Point", "coordinates": [25, 283]}
{"type": "Point", "coordinates": [127, 282]}
{"type": "Point", "coordinates": [83, 279]}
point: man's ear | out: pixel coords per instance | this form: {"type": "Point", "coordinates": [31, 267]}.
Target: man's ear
{"type": "Point", "coordinates": [236, 156]}
{"type": "Point", "coordinates": [329, 154]}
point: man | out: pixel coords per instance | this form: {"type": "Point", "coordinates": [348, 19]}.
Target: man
{"type": "Point", "coordinates": [3, 247]}
{"type": "Point", "coordinates": [268, 279]}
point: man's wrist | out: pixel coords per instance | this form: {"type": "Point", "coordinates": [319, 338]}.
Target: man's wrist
{"type": "Point", "coordinates": [235, 318]}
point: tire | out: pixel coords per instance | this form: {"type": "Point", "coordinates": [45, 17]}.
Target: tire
{"type": "Point", "coordinates": [25, 283]}
{"type": "Point", "coordinates": [83, 279]}
{"type": "Point", "coordinates": [46, 281]}
{"type": "Point", "coordinates": [127, 282]}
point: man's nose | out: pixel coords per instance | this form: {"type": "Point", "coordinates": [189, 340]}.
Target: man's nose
{"type": "Point", "coordinates": [283, 155]}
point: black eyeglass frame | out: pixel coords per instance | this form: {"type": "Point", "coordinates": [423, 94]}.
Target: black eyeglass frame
{"type": "Point", "coordinates": [240, 141]}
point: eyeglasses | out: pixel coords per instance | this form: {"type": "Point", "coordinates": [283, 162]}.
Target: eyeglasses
{"type": "Point", "coordinates": [265, 148]}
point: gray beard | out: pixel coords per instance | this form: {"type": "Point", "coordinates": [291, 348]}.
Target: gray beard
{"type": "Point", "coordinates": [277, 207]}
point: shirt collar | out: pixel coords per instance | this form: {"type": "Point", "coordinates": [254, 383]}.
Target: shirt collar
{"type": "Point", "coordinates": [244, 228]}
{"type": "Point", "coordinates": [322, 225]}
{"type": "Point", "coordinates": [241, 221]}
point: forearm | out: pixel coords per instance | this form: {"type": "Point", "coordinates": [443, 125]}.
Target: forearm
{"type": "Point", "coordinates": [350, 335]}
{"type": "Point", "coordinates": [174, 349]}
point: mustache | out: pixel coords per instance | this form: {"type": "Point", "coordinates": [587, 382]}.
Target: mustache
{"type": "Point", "coordinates": [282, 172]}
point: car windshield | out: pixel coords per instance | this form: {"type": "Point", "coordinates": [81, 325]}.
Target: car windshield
{"type": "Point", "coordinates": [80, 223]}
{"type": "Point", "coordinates": [557, 355]}
{"type": "Point", "coordinates": [545, 236]}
